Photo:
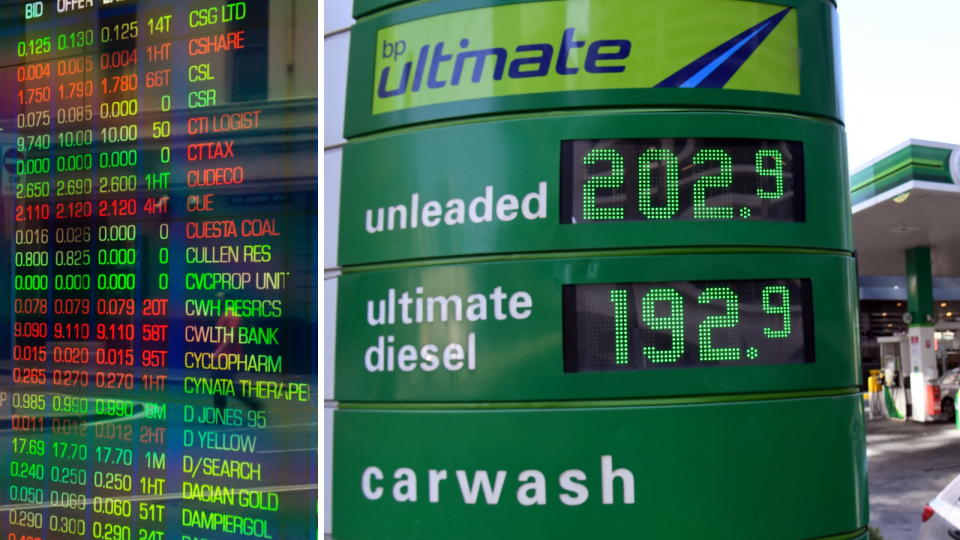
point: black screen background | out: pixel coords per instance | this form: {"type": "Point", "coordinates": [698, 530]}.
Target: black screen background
{"type": "Point", "coordinates": [169, 443]}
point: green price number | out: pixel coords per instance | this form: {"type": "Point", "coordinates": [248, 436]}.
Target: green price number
{"type": "Point", "coordinates": [34, 447]}
{"type": "Point", "coordinates": [729, 320]}
{"type": "Point", "coordinates": [29, 142]}
{"type": "Point", "coordinates": [73, 40]}
{"type": "Point", "coordinates": [776, 172]}
{"type": "Point", "coordinates": [22, 469]}
{"type": "Point", "coordinates": [673, 322]}
{"type": "Point", "coordinates": [114, 456]}
{"type": "Point", "coordinates": [677, 180]}
{"type": "Point", "coordinates": [70, 451]}
{"type": "Point", "coordinates": [722, 180]}
{"type": "Point", "coordinates": [648, 158]}
{"type": "Point", "coordinates": [615, 180]}
{"type": "Point", "coordinates": [783, 310]}
{"type": "Point", "coordinates": [620, 307]}
{"type": "Point", "coordinates": [33, 190]}
{"type": "Point", "coordinates": [31, 47]}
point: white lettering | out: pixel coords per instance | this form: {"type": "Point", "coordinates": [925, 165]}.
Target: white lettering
{"type": "Point", "coordinates": [444, 302]}
{"type": "Point", "coordinates": [487, 202]}
{"type": "Point", "coordinates": [372, 494]}
{"type": "Point", "coordinates": [476, 307]}
{"type": "Point", "coordinates": [480, 479]}
{"type": "Point", "coordinates": [498, 296]}
{"type": "Point", "coordinates": [432, 361]}
{"type": "Point", "coordinates": [452, 352]}
{"type": "Point", "coordinates": [431, 213]}
{"type": "Point", "coordinates": [567, 483]}
{"type": "Point", "coordinates": [435, 478]}
{"type": "Point", "coordinates": [379, 319]}
{"type": "Point", "coordinates": [394, 210]}
{"type": "Point", "coordinates": [541, 198]}
{"type": "Point", "coordinates": [374, 350]}
{"type": "Point", "coordinates": [370, 228]}
{"type": "Point", "coordinates": [406, 489]}
{"type": "Point", "coordinates": [407, 358]}
{"type": "Point", "coordinates": [507, 208]}
{"type": "Point", "coordinates": [608, 474]}
{"type": "Point", "coordinates": [520, 301]}
{"type": "Point", "coordinates": [480, 210]}
{"type": "Point", "coordinates": [538, 486]}
{"type": "Point", "coordinates": [454, 215]}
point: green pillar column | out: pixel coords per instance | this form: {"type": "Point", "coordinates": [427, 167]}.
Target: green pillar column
{"type": "Point", "coordinates": [923, 359]}
{"type": "Point", "coordinates": [919, 285]}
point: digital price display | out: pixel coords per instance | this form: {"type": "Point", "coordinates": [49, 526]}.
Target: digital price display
{"type": "Point", "coordinates": [159, 192]}
{"type": "Point", "coordinates": [608, 180]}
{"type": "Point", "coordinates": [687, 324]}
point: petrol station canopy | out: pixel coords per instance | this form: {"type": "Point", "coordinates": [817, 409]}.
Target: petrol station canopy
{"type": "Point", "coordinates": [904, 198]}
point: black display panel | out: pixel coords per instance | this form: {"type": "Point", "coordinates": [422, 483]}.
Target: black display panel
{"type": "Point", "coordinates": [159, 214]}
{"type": "Point", "coordinates": [610, 180]}
{"type": "Point", "coordinates": [687, 324]}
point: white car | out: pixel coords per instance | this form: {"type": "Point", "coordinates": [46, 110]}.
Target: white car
{"type": "Point", "coordinates": [949, 384]}
{"type": "Point", "coordinates": [941, 516]}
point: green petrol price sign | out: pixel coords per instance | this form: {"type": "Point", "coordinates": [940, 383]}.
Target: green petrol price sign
{"type": "Point", "coordinates": [597, 274]}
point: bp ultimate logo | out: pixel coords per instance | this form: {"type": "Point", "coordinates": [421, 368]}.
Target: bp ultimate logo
{"type": "Point", "coordinates": [579, 45]}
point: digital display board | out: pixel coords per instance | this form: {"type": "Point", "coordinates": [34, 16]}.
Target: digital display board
{"type": "Point", "coordinates": [608, 180]}
{"type": "Point", "coordinates": [687, 324]}
{"type": "Point", "coordinates": [159, 190]}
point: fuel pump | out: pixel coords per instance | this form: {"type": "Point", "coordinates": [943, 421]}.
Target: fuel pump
{"type": "Point", "coordinates": [896, 382]}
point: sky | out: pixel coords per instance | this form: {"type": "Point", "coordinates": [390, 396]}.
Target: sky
{"type": "Point", "coordinates": [901, 73]}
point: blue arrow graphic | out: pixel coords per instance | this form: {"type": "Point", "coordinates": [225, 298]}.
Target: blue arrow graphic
{"type": "Point", "coordinates": [717, 67]}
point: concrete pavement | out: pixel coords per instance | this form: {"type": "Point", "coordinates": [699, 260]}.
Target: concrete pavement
{"type": "Point", "coordinates": [908, 464]}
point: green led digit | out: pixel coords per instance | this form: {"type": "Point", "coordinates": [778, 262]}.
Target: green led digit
{"type": "Point", "coordinates": [615, 180]}
{"type": "Point", "coordinates": [673, 184]}
{"type": "Point", "coordinates": [776, 172]}
{"type": "Point", "coordinates": [672, 322]}
{"type": "Point", "coordinates": [708, 353]}
{"type": "Point", "coordinates": [722, 180]}
{"type": "Point", "coordinates": [783, 309]}
{"type": "Point", "coordinates": [619, 299]}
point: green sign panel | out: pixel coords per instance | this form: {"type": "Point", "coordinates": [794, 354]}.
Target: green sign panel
{"type": "Point", "coordinates": [521, 185]}
{"type": "Point", "coordinates": [432, 60]}
{"type": "Point", "coordinates": [514, 331]}
{"type": "Point", "coordinates": [454, 58]}
{"type": "Point", "coordinates": [791, 469]}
